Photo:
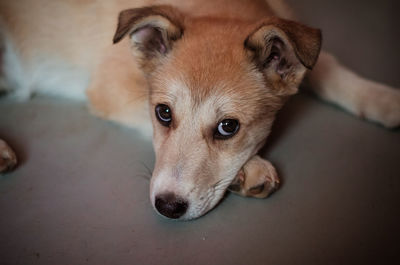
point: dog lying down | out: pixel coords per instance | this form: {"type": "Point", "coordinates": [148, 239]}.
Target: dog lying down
{"type": "Point", "coordinates": [206, 79]}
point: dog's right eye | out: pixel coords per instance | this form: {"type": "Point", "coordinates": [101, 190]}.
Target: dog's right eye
{"type": "Point", "coordinates": [163, 114]}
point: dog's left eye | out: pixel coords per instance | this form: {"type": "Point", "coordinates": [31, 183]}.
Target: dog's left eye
{"type": "Point", "coordinates": [226, 129]}
{"type": "Point", "coordinates": [163, 114]}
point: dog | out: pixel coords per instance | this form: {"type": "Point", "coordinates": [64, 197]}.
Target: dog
{"type": "Point", "coordinates": [204, 78]}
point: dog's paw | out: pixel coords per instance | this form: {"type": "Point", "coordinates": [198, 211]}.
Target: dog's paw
{"type": "Point", "coordinates": [381, 104]}
{"type": "Point", "coordinates": [257, 178]}
{"type": "Point", "coordinates": [8, 159]}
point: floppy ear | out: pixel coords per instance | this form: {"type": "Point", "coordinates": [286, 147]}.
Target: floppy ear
{"type": "Point", "coordinates": [283, 50]}
{"type": "Point", "coordinates": [152, 30]}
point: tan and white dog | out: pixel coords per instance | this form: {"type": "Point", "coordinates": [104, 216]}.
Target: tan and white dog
{"type": "Point", "coordinates": [206, 79]}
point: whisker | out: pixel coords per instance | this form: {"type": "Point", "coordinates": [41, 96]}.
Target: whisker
{"type": "Point", "coordinates": [146, 177]}
{"type": "Point", "coordinates": [148, 169]}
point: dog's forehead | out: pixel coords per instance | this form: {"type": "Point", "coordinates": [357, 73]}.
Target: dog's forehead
{"type": "Point", "coordinates": [210, 69]}
{"type": "Point", "coordinates": [211, 52]}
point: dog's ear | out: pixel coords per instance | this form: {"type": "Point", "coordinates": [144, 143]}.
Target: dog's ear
{"type": "Point", "coordinates": [283, 50]}
{"type": "Point", "coordinates": [152, 31]}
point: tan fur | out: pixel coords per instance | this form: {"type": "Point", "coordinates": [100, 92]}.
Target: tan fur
{"type": "Point", "coordinates": [120, 93]}
{"type": "Point", "coordinates": [207, 60]}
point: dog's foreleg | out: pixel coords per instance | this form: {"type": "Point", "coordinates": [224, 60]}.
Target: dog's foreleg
{"type": "Point", "coordinates": [364, 98]}
{"type": "Point", "coordinates": [8, 159]}
{"type": "Point", "coordinates": [257, 178]}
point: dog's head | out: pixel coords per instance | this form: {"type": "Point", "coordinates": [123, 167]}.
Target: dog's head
{"type": "Point", "coordinates": [215, 87]}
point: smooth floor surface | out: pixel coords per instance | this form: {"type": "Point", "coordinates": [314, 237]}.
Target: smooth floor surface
{"type": "Point", "coordinates": [80, 193]}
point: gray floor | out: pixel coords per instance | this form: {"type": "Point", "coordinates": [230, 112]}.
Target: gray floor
{"type": "Point", "coordinates": [80, 195]}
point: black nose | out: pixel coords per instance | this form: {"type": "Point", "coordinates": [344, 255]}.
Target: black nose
{"type": "Point", "coordinates": [171, 206]}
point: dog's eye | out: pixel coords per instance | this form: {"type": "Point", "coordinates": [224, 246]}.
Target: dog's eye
{"type": "Point", "coordinates": [226, 129]}
{"type": "Point", "coordinates": [164, 114]}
